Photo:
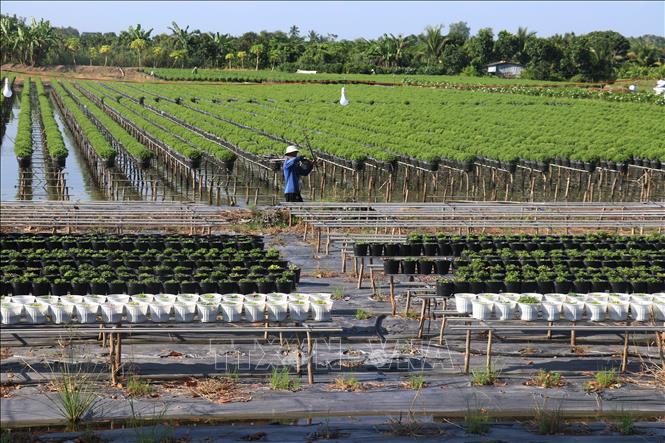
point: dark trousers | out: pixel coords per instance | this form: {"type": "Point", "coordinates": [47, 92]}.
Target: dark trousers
{"type": "Point", "coordinates": [293, 197]}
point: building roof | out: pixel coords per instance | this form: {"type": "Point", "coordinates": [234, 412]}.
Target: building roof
{"type": "Point", "coordinates": [503, 62]}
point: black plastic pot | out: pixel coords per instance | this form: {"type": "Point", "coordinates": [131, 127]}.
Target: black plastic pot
{"type": "Point", "coordinates": [477, 287]}
{"type": "Point", "coordinates": [360, 250]}
{"type": "Point", "coordinates": [461, 286]}
{"type": "Point", "coordinates": [99, 288]}
{"type": "Point", "coordinates": [60, 288]}
{"type": "Point", "coordinates": [43, 288]}
{"type": "Point", "coordinates": [445, 288]}
{"type": "Point", "coordinates": [117, 288]}
{"type": "Point", "coordinates": [445, 248]}
{"type": "Point", "coordinates": [600, 286]}
{"type": "Point", "coordinates": [495, 286]}
{"type": "Point", "coordinates": [20, 288]}
{"type": "Point", "coordinates": [405, 249]}
{"type": "Point", "coordinates": [431, 249]}
{"type": "Point", "coordinates": [171, 287]}
{"type": "Point", "coordinates": [227, 287]}
{"type": "Point", "coordinates": [284, 287]}
{"type": "Point", "coordinates": [529, 286]}
{"type": "Point", "coordinates": [442, 266]}
{"type": "Point", "coordinates": [638, 286]}
{"type": "Point", "coordinates": [134, 288]}
{"type": "Point", "coordinates": [266, 287]}
{"type": "Point", "coordinates": [189, 287]}
{"type": "Point", "coordinates": [408, 267]}
{"type": "Point", "coordinates": [563, 287]}
{"type": "Point", "coordinates": [545, 287]}
{"type": "Point", "coordinates": [80, 288]}
{"type": "Point", "coordinates": [391, 249]}
{"type": "Point", "coordinates": [425, 267]}
{"type": "Point", "coordinates": [390, 266]}
{"type": "Point", "coordinates": [208, 287]}
{"type": "Point", "coordinates": [247, 287]}
{"type": "Point", "coordinates": [153, 287]}
{"type": "Point", "coordinates": [513, 286]}
{"type": "Point", "coordinates": [376, 249]}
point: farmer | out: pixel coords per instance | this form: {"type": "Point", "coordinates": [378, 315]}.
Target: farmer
{"type": "Point", "coordinates": [295, 166]}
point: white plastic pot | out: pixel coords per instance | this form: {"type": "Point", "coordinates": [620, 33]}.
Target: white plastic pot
{"type": "Point", "coordinates": [187, 298]}
{"type": "Point", "coordinates": [117, 298]}
{"type": "Point", "coordinates": [538, 295]}
{"type": "Point", "coordinates": [298, 310]}
{"type": "Point", "coordinates": [49, 299]}
{"type": "Point", "coordinates": [617, 310]}
{"type": "Point", "coordinates": [640, 311]}
{"type": "Point", "coordinates": [23, 299]}
{"type": "Point", "coordinates": [304, 298]}
{"type": "Point", "coordinates": [184, 311]}
{"type": "Point", "coordinates": [36, 313]}
{"type": "Point", "coordinates": [463, 302]}
{"type": "Point", "coordinates": [596, 310]}
{"type": "Point", "coordinates": [207, 311]}
{"type": "Point", "coordinates": [11, 312]}
{"type": "Point", "coordinates": [143, 298]}
{"type": "Point", "coordinates": [233, 297]}
{"type": "Point", "coordinates": [504, 310]}
{"type": "Point", "coordinates": [259, 298]}
{"type": "Point", "coordinates": [321, 310]}
{"type": "Point", "coordinates": [277, 310]}
{"type": "Point", "coordinates": [97, 299]}
{"type": "Point", "coordinates": [529, 311]}
{"type": "Point", "coordinates": [326, 296]}
{"type": "Point", "coordinates": [481, 310]}
{"type": "Point", "coordinates": [488, 297]}
{"type": "Point", "coordinates": [160, 312]}
{"type": "Point", "coordinates": [555, 298]}
{"type": "Point", "coordinates": [255, 311]}
{"type": "Point", "coordinates": [572, 311]}
{"type": "Point", "coordinates": [276, 297]}
{"type": "Point", "coordinates": [658, 307]}
{"type": "Point", "coordinates": [61, 312]}
{"type": "Point", "coordinates": [551, 311]}
{"type": "Point", "coordinates": [231, 310]}
{"type": "Point", "coordinates": [165, 298]}
{"type": "Point", "coordinates": [136, 311]}
{"type": "Point", "coordinates": [75, 299]}
{"type": "Point", "coordinates": [210, 298]}
{"type": "Point", "coordinates": [112, 312]}
{"type": "Point", "coordinates": [87, 312]}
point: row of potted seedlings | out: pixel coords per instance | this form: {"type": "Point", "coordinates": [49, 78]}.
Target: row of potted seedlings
{"type": "Point", "coordinates": [598, 306]}
{"type": "Point", "coordinates": [413, 265]}
{"type": "Point", "coordinates": [164, 308]}
{"type": "Point", "coordinates": [455, 245]}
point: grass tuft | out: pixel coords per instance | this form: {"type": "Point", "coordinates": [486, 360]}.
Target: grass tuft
{"type": "Point", "coordinates": [137, 387]}
{"type": "Point", "coordinates": [603, 380]}
{"type": "Point", "coordinates": [362, 314]}
{"type": "Point", "coordinates": [476, 421]}
{"type": "Point", "coordinates": [546, 379]}
{"type": "Point", "coordinates": [484, 377]}
{"type": "Point", "coordinates": [280, 380]}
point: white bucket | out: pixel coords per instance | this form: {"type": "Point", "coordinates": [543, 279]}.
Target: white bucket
{"type": "Point", "coordinates": [463, 302]}
{"type": "Point", "coordinates": [640, 311]}
{"type": "Point", "coordinates": [36, 312]}
{"type": "Point", "coordinates": [488, 297]}
{"type": "Point", "coordinates": [97, 299]}
{"type": "Point", "coordinates": [23, 299]}
{"type": "Point", "coordinates": [188, 298]}
{"type": "Point", "coordinates": [233, 298]}
{"type": "Point", "coordinates": [136, 311]}
{"type": "Point", "coordinates": [555, 297]}
{"type": "Point", "coordinates": [184, 311]}
{"type": "Point", "coordinates": [596, 311]}
{"type": "Point", "coordinates": [144, 298]}
{"type": "Point", "coordinates": [277, 310]}
{"type": "Point", "coordinates": [617, 310]}
{"type": "Point", "coordinates": [207, 311]}
{"type": "Point", "coordinates": [321, 310]}
{"type": "Point", "coordinates": [210, 298]}
{"type": "Point", "coordinates": [11, 312]}
{"type": "Point", "coordinates": [551, 311]}
{"type": "Point", "coordinates": [117, 298]}
{"type": "Point", "coordinates": [61, 312]}
{"type": "Point", "coordinates": [276, 297]}
{"type": "Point", "coordinates": [112, 312]}
{"type": "Point", "coordinates": [320, 296]}
{"type": "Point", "coordinates": [231, 310]}
{"type": "Point", "coordinates": [573, 311]}
{"type": "Point", "coordinates": [538, 295]}
{"type": "Point", "coordinates": [658, 307]}
{"type": "Point", "coordinates": [529, 311]}
{"type": "Point", "coordinates": [160, 312]}
{"type": "Point", "coordinates": [298, 310]}
{"type": "Point", "coordinates": [504, 310]}
{"type": "Point", "coordinates": [74, 299]}
{"type": "Point", "coordinates": [49, 299]}
{"type": "Point", "coordinates": [481, 310]}
{"type": "Point", "coordinates": [255, 311]}
{"type": "Point", "coordinates": [87, 312]}
{"type": "Point", "coordinates": [259, 298]}
{"type": "Point", "coordinates": [165, 298]}
{"type": "Point", "coordinates": [304, 298]}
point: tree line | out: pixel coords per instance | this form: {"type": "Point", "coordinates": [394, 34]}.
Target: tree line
{"type": "Point", "coordinates": [596, 56]}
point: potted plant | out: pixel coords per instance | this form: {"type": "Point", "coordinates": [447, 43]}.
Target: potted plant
{"type": "Point", "coordinates": [265, 285]}
{"type": "Point", "coordinates": [562, 284]}
{"type": "Point", "coordinates": [21, 285]}
{"type": "Point", "coordinates": [80, 285]}
{"type": "Point", "coordinates": [171, 286]}
{"type": "Point", "coordinates": [231, 310]}
{"type": "Point", "coordinates": [481, 309]}
{"type": "Point", "coordinates": [187, 287]}
{"type": "Point", "coordinates": [596, 310]}
{"type": "Point", "coordinates": [284, 285]}
{"type": "Point", "coordinates": [61, 312]}
{"type": "Point", "coordinates": [504, 308]}
{"type": "Point", "coordinates": [117, 286]}
{"type": "Point", "coordinates": [87, 312]}
{"type": "Point", "coordinates": [11, 312]}
{"type": "Point", "coordinates": [247, 286]}
{"type": "Point", "coordinates": [390, 266]}
{"type": "Point", "coordinates": [35, 312]}
{"type": "Point", "coordinates": [513, 282]}
{"type": "Point", "coordinates": [409, 265]}
{"type": "Point", "coordinates": [425, 267]}
{"type": "Point", "coordinates": [528, 307]}
{"type": "Point", "coordinates": [136, 311]}
{"type": "Point", "coordinates": [444, 287]}
{"type": "Point", "coordinates": [60, 286]}
{"type": "Point", "coordinates": [40, 286]}
{"type": "Point", "coordinates": [135, 287]}
{"type": "Point", "coordinates": [321, 309]}
{"type": "Point", "coordinates": [298, 310]}
{"type": "Point", "coordinates": [360, 249]}
{"type": "Point", "coordinates": [209, 285]}
{"type": "Point", "coordinates": [254, 310]}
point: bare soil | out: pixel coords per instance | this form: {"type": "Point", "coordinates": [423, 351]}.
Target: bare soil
{"type": "Point", "coordinates": [80, 72]}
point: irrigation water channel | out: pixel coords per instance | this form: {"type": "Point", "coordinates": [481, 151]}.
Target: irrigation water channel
{"type": "Point", "coordinates": [248, 185]}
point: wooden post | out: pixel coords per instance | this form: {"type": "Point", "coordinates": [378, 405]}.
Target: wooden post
{"type": "Point", "coordinates": [573, 336]}
{"type": "Point", "coordinates": [467, 350]}
{"type": "Point", "coordinates": [624, 355]}
{"type": "Point", "coordinates": [488, 363]}
{"type": "Point", "coordinates": [310, 360]}
{"type": "Point", "coordinates": [393, 304]}
{"type": "Point", "coordinates": [421, 322]}
{"type": "Point", "coordinates": [112, 358]}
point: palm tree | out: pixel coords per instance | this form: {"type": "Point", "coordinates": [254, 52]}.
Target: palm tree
{"type": "Point", "coordinates": [275, 56]}
{"type": "Point", "coordinates": [73, 44]}
{"type": "Point", "coordinates": [257, 50]}
{"type": "Point", "coordinates": [220, 43]}
{"type": "Point", "coordinates": [182, 37]}
{"type": "Point", "coordinates": [523, 36]}
{"type": "Point", "coordinates": [229, 58]}
{"type": "Point", "coordinates": [434, 42]}
{"type": "Point", "coordinates": [105, 50]}
{"type": "Point", "coordinates": [138, 45]}
{"type": "Point", "coordinates": [92, 53]}
{"type": "Point", "coordinates": [136, 32]}
{"type": "Point", "coordinates": [241, 56]}
{"type": "Point", "coordinates": [400, 44]}
{"type": "Point", "coordinates": [178, 54]}
{"type": "Point", "coordinates": [157, 53]}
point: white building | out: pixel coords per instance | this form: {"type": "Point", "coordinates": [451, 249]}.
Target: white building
{"type": "Point", "coordinates": [505, 69]}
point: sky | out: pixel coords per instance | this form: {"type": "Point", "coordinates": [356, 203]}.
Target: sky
{"type": "Point", "coordinates": [350, 20]}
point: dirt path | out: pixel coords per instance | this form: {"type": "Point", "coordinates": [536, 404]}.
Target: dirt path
{"type": "Point", "coordinates": [80, 72]}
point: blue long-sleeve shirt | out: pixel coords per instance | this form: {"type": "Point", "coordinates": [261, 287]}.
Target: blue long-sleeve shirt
{"type": "Point", "coordinates": [293, 170]}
